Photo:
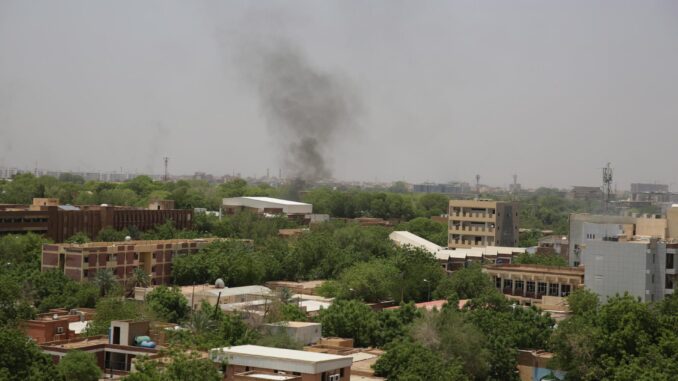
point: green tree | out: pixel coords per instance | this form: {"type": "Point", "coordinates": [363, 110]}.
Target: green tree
{"type": "Point", "coordinates": [21, 359]}
{"type": "Point", "coordinates": [373, 281]}
{"type": "Point", "coordinates": [540, 259]}
{"type": "Point", "coordinates": [78, 237]}
{"type": "Point", "coordinates": [108, 234]}
{"type": "Point", "coordinates": [180, 367]}
{"type": "Point", "coordinates": [406, 360]}
{"type": "Point", "coordinates": [168, 303]}
{"type": "Point", "coordinates": [467, 283]}
{"type": "Point", "coordinates": [583, 302]}
{"type": "Point", "coordinates": [78, 365]}
{"type": "Point", "coordinates": [106, 281]}
{"type": "Point", "coordinates": [433, 231]}
{"type": "Point", "coordinates": [350, 318]}
{"type": "Point", "coordinates": [114, 308]}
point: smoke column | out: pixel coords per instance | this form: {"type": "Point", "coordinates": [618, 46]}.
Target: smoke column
{"type": "Point", "coordinates": [305, 106]}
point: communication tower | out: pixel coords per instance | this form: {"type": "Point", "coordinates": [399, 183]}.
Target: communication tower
{"type": "Point", "coordinates": [607, 186]}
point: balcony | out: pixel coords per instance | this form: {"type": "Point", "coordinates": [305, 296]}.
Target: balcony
{"type": "Point", "coordinates": [476, 216]}
{"type": "Point", "coordinates": [471, 230]}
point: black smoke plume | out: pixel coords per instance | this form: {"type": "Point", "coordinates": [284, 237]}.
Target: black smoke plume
{"type": "Point", "coordinates": [306, 107]}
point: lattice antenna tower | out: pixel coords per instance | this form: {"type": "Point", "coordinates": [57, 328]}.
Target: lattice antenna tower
{"type": "Point", "coordinates": [478, 187]}
{"type": "Point", "coordinates": [607, 185]}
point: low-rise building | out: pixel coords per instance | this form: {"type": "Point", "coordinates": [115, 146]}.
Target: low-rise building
{"type": "Point", "coordinates": [528, 284]}
{"type": "Point", "coordinates": [114, 353]}
{"type": "Point", "coordinates": [57, 324]}
{"type": "Point", "coordinates": [534, 365]}
{"type": "Point", "coordinates": [266, 205]}
{"type": "Point", "coordinates": [305, 333]}
{"type": "Point", "coordinates": [253, 362]}
{"type": "Point", "coordinates": [455, 259]}
{"type": "Point", "coordinates": [81, 262]}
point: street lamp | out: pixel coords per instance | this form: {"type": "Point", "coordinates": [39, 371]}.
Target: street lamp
{"type": "Point", "coordinates": [428, 285]}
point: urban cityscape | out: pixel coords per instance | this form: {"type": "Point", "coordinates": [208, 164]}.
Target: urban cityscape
{"type": "Point", "coordinates": [264, 242]}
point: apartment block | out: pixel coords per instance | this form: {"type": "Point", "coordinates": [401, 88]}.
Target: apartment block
{"type": "Point", "coordinates": [473, 223]}
{"type": "Point", "coordinates": [81, 262]}
{"type": "Point", "coordinates": [257, 363]}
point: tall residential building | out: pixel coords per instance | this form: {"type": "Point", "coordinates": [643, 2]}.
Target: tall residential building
{"type": "Point", "coordinates": [81, 262]}
{"type": "Point", "coordinates": [474, 223]}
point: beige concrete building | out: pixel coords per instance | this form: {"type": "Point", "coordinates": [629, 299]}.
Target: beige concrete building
{"type": "Point", "coordinates": [473, 223]}
{"type": "Point", "coordinates": [672, 222]}
{"type": "Point", "coordinates": [529, 284]}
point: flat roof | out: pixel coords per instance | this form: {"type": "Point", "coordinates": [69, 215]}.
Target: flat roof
{"type": "Point", "coordinates": [280, 353]}
{"type": "Point", "coordinates": [295, 324]}
{"type": "Point", "coordinates": [268, 376]}
{"type": "Point", "coordinates": [403, 237]}
{"type": "Point", "coordinates": [269, 200]}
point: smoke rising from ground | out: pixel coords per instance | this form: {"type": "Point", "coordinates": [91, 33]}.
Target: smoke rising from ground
{"type": "Point", "coordinates": [305, 106]}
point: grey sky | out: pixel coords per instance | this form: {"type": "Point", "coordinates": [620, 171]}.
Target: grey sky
{"type": "Point", "coordinates": [551, 90]}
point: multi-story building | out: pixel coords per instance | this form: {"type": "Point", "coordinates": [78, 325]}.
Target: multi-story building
{"type": "Point", "coordinates": [590, 227]}
{"type": "Point", "coordinates": [645, 268]}
{"type": "Point", "coordinates": [586, 193]}
{"type": "Point", "coordinates": [81, 262]}
{"type": "Point", "coordinates": [653, 193]}
{"type": "Point", "coordinates": [257, 363]}
{"type": "Point", "coordinates": [473, 223]}
{"type": "Point", "coordinates": [449, 188]}
{"type": "Point", "coordinates": [59, 222]}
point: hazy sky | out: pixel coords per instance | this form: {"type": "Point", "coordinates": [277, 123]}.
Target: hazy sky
{"type": "Point", "coordinates": [550, 90]}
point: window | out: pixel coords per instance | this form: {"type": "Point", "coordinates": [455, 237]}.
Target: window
{"type": "Point", "coordinates": [85, 272]}
{"type": "Point", "coordinates": [541, 288]}
{"type": "Point", "coordinates": [553, 289]}
{"type": "Point", "coordinates": [565, 290]}
{"type": "Point", "coordinates": [668, 282]}
{"type": "Point", "coordinates": [85, 259]}
{"type": "Point", "coordinates": [530, 286]}
{"type": "Point", "coordinates": [653, 278]}
{"type": "Point", "coordinates": [508, 283]}
{"type": "Point", "coordinates": [669, 260]}
{"type": "Point", "coordinates": [59, 330]}
{"type": "Point", "coordinates": [519, 285]}
{"type": "Point", "coordinates": [497, 282]}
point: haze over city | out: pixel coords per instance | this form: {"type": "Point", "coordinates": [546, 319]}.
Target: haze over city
{"type": "Point", "coordinates": [415, 91]}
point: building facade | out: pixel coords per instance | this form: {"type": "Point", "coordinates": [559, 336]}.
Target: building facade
{"type": "Point", "coordinates": [645, 268]}
{"type": "Point", "coordinates": [474, 223]}
{"type": "Point", "coordinates": [585, 228]}
{"type": "Point", "coordinates": [266, 205]}
{"type": "Point", "coordinates": [586, 193]}
{"type": "Point", "coordinates": [59, 222]}
{"type": "Point", "coordinates": [81, 262]}
{"type": "Point", "coordinates": [528, 284]}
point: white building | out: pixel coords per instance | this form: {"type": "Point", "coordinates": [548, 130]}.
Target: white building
{"type": "Point", "coordinates": [265, 205]}
{"type": "Point", "coordinates": [265, 363]}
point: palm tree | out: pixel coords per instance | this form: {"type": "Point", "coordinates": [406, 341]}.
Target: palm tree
{"type": "Point", "coordinates": [140, 278]}
{"type": "Point", "coordinates": [201, 322]}
{"type": "Point", "coordinates": [105, 280]}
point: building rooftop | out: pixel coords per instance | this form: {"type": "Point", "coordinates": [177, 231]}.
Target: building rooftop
{"type": "Point", "coordinates": [406, 238]}
{"type": "Point", "coordinates": [269, 200]}
{"type": "Point", "coordinates": [280, 353]}
{"type": "Point", "coordinates": [295, 324]}
{"type": "Point", "coordinates": [137, 242]}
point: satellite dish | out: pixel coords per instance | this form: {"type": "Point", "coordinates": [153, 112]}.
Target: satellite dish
{"type": "Point", "coordinates": [219, 283]}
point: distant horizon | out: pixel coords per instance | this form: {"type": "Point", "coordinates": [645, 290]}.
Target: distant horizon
{"type": "Point", "coordinates": [273, 175]}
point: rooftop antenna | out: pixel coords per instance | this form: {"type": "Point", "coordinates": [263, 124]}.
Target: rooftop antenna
{"type": "Point", "coordinates": [165, 177]}
{"type": "Point", "coordinates": [607, 185]}
{"type": "Point", "coordinates": [478, 187]}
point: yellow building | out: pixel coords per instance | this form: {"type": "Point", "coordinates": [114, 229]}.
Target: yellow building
{"type": "Point", "coordinates": [473, 223]}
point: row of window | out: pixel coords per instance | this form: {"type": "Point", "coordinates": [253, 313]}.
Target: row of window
{"type": "Point", "coordinates": [554, 289]}
{"type": "Point", "coordinates": [20, 220]}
